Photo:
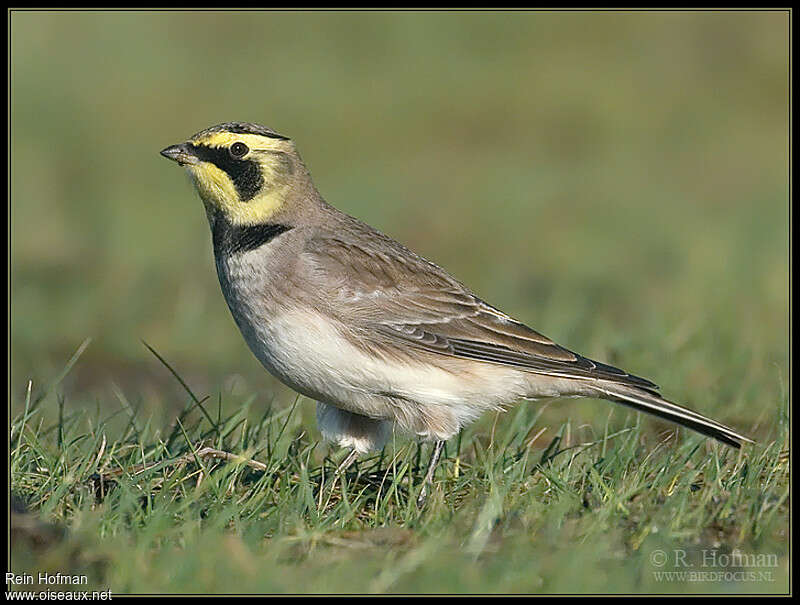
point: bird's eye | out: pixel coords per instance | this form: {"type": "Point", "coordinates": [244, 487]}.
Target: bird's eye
{"type": "Point", "coordinates": [239, 150]}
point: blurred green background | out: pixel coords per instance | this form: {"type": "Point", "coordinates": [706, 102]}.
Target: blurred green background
{"type": "Point", "coordinates": [618, 180]}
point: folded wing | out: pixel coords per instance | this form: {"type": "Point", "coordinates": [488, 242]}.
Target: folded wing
{"type": "Point", "coordinates": [398, 298]}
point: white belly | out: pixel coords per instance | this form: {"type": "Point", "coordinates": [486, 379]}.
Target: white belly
{"type": "Point", "coordinates": [308, 353]}
{"type": "Point", "coordinates": [427, 394]}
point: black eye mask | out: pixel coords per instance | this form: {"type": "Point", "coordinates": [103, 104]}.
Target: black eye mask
{"type": "Point", "coordinates": [245, 174]}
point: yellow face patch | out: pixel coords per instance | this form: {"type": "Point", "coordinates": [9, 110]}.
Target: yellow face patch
{"type": "Point", "coordinates": [269, 165]}
{"type": "Point", "coordinates": [214, 185]}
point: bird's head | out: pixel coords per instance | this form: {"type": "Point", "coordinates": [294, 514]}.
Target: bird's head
{"type": "Point", "coordinates": [243, 172]}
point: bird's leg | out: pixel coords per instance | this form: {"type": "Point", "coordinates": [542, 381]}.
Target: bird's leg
{"type": "Point", "coordinates": [437, 453]}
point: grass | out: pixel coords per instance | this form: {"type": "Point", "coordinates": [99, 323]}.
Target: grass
{"type": "Point", "coordinates": [618, 180]}
{"type": "Point", "coordinates": [510, 512]}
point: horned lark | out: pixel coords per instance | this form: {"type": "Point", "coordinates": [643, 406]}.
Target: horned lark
{"type": "Point", "coordinates": [379, 336]}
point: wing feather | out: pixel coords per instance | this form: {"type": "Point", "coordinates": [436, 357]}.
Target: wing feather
{"type": "Point", "coordinates": [397, 298]}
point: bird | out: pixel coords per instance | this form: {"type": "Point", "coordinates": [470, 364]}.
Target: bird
{"type": "Point", "coordinates": [380, 337]}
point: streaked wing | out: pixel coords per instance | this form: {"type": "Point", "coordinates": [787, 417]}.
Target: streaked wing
{"type": "Point", "coordinates": [397, 297]}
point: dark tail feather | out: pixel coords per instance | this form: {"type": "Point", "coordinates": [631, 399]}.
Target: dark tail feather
{"type": "Point", "coordinates": [644, 401]}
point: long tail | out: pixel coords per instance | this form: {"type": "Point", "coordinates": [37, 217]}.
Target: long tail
{"type": "Point", "coordinates": [651, 403]}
